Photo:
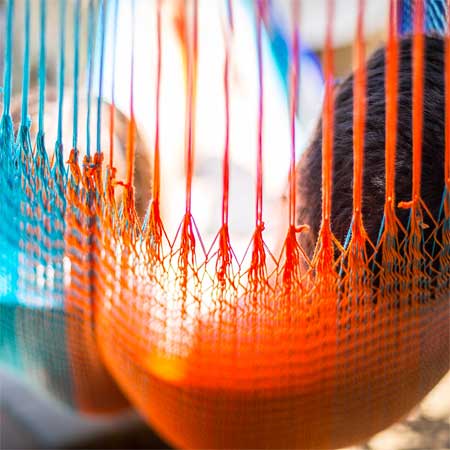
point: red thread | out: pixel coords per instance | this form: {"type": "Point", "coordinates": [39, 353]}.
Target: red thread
{"type": "Point", "coordinates": [156, 162]}
{"type": "Point", "coordinates": [328, 122]}
{"type": "Point", "coordinates": [259, 159]}
{"type": "Point", "coordinates": [391, 82]}
{"type": "Point", "coordinates": [417, 94]}
{"type": "Point", "coordinates": [359, 117]}
{"type": "Point", "coordinates": [226, 156]}
{"type": "Point", "coordinates": [192, 42]}
{"type": "Point", "coordinates": [131, 124]}
{"type": "Point", "coordinates": [447, 100]}
{"type": "Point", "coordinates": [294, 79]}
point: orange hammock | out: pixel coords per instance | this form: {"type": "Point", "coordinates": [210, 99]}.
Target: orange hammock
{"type": "Point", "coordinates": [309, 349]}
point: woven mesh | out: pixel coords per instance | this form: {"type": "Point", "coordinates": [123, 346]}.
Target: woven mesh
{"type": "Point", "coordinates": [434, 20]}
{"type": "Point", "coordinates": [100, 307]}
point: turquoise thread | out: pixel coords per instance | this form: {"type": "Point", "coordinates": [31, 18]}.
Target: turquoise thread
{"type": "Point", "coordinates": [90, 70]}
{"type": "Point", "coordinates": [7, 75]}
{"type": "Point", "coordinates": [42, 65]}
{"type": "Point", "coordinates": [26, 66]}
{"type": "Point", "coordinates": [102, 19]}
{"type": "Point", "coordinates": [76, 70]}
{"type": "Point", "coordinates": [62, 43]}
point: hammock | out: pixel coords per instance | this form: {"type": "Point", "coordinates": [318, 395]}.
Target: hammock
{"type": "Point", "coordinates": [102, 308]}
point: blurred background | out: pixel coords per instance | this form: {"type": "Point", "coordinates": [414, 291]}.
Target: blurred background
{"type": "Point", "coordinates": [29, 420]}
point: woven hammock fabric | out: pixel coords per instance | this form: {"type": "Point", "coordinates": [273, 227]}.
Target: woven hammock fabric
{"type": "Point", "coordinates": [102, 309]}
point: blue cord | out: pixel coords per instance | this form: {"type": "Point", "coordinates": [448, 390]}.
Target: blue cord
{"type": "Point", "coordinates": [26, 67]}
{"type": "Point", "coordinates": [434, 20]}
{"type": "Point", "coordinates": [76, 69]}
{"type": "Point", "coordinates": [90, 69]}
{"type": "Point", "coordinates": [42, 66]}
{"type": "Point", "coordinates": [62, 44]}
{"type": "Point", "coordinates": [7, 75]}
{"type": "Point", "coordinates": [440, 217]}
{"type": "Point", "coordinates": [102, 20]}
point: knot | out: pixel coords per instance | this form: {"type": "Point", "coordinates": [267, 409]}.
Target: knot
{"type": "Point", "coordinates": [302, 228]}
{"type": "Point", "coordinates": [260, 227]}
{"type": "Point", "coordinates": [406, 205]}
{"type": "Point", "coordinates": [73, 165]}
{"type": "Point", "coordinates": [98, 158]}
{"type": "Point", "coordinates": [112, 171]}
{"type": "Point", "coordinates": [120, 183]}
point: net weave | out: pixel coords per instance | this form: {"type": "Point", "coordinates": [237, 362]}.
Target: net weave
{"type": "Point", "coordinates": [101, 308]}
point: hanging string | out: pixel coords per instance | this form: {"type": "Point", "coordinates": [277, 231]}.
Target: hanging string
{"type": "Point", "coordinates": [156, 163]}
{"type": "Point", "coordinates": [447, 101]}
{"type": "Point", "coordinates": [259, 159]}
{"type": "Point", "coordinates": [230, 14]}
{"type": "Point", "coordinates": [293, 252]}
{"type": "Point", "coordinates": [112, 107]}
{"type": "Point", "coordinates": [417, 97]}
{"type": "Point", "coordinates": [90, 74]}
{"type": "Point", "coordinates": [42, 65]}
{"type": "Point", "coordinates": [328, 122]}
{"type": "Point", "coordinates": [131, 124]}
{"type": "Point", "coordinates": [192, 42]}
{"type": "Point", "coordinates": [62, 46]}
{"type": "Point", "coordinates": [7, 75]}
{"type": "Point", "coordinates": [294, 77]}
{"type": "Point", "coordinates": [226, 76]}
{"type": "Point", "coordinates": [76, 63]}
{"type": "Point", "coordinates": [26, 66]}
{"type": "Point", "coordinates": [102, 20]}
{"type": "Point", "coordinates": [359, 116]}
{"type": "Point", "coordinates": [391, 82]}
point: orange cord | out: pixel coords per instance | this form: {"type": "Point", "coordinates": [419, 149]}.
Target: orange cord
{"type": "Point", "coordinates": [417, 94]}
{"type": "Point", "coordinates": [391, 82]}
{"type": "Point", "coordinates": [359, 117]}
{"type": "Point", "coordinates": [328, 122]}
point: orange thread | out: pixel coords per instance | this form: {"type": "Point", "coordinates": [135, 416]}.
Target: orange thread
{"type": "Point", "coordinates": [156, 162]}
{"type": "Point", "coordinates": [417, 94]}
{"type": "Point", "coordinates": [447, 100]}
{"type": "Point", "coordinates": [111, 133]}
{"type": "Point", "coordinates": [131, 124]}
{"type": "Point", "coordinates": [359, 117]}
{"type": "Point", "coordinates": [294, 79]}
{"type": "Point", "coordinates": [192, 42]}
{"type": "Point", "coordinates": [226, 156]}
{"type": "Point", "coordinates": [391, 103]}
{"type": "Point", "coordinates": [328, 122]}
{"type": "Point", "coordinates": [260, 13]}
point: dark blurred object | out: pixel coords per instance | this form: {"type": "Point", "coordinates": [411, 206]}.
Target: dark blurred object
{"type": "Point", "coordinates": [31, 421]}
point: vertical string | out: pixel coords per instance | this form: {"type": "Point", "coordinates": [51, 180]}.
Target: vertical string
{"type": "Point", "coordinates": [417, 94]}
{"type": "Point", "coordinates": [230, 14]}
{"type": "Point", "coordinates": [328, 122]}
{"type": "Point", "coordinates": [156, 162]}
{"type": "Point", "coordinates": [76, 57]}
{"type": "Point", "coordinates": [102, 20]}
{"type": "Point", "coordinates": [131, 123]}
{"type": "Point", "coordinates": [391, 92]}
{"type": "Point", "coordinates": [294, 78]}
{"type": "Point", "coordinates": [190, 107]}
{"type": "Point", "coordinates": [447, 101]}
{"type": "Point", "coordinates": [7, 71]}
{"type": "Point", "coordinates": [112, 107]}
{"type": "Point", "coordinates": [359, 114]}
{"type": "Point", "coordinates": [90, 74]}
{"type": "Point", "coordinates": [62, 45]}
{"type": "Point", "coordinates": [259, 160]}
{"type": "Point", "coordinates": [226, 155]}
{"type": "Point", "coordinates": [42, 64]}
{"type": "Point", "coordinates": [26, 66]}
